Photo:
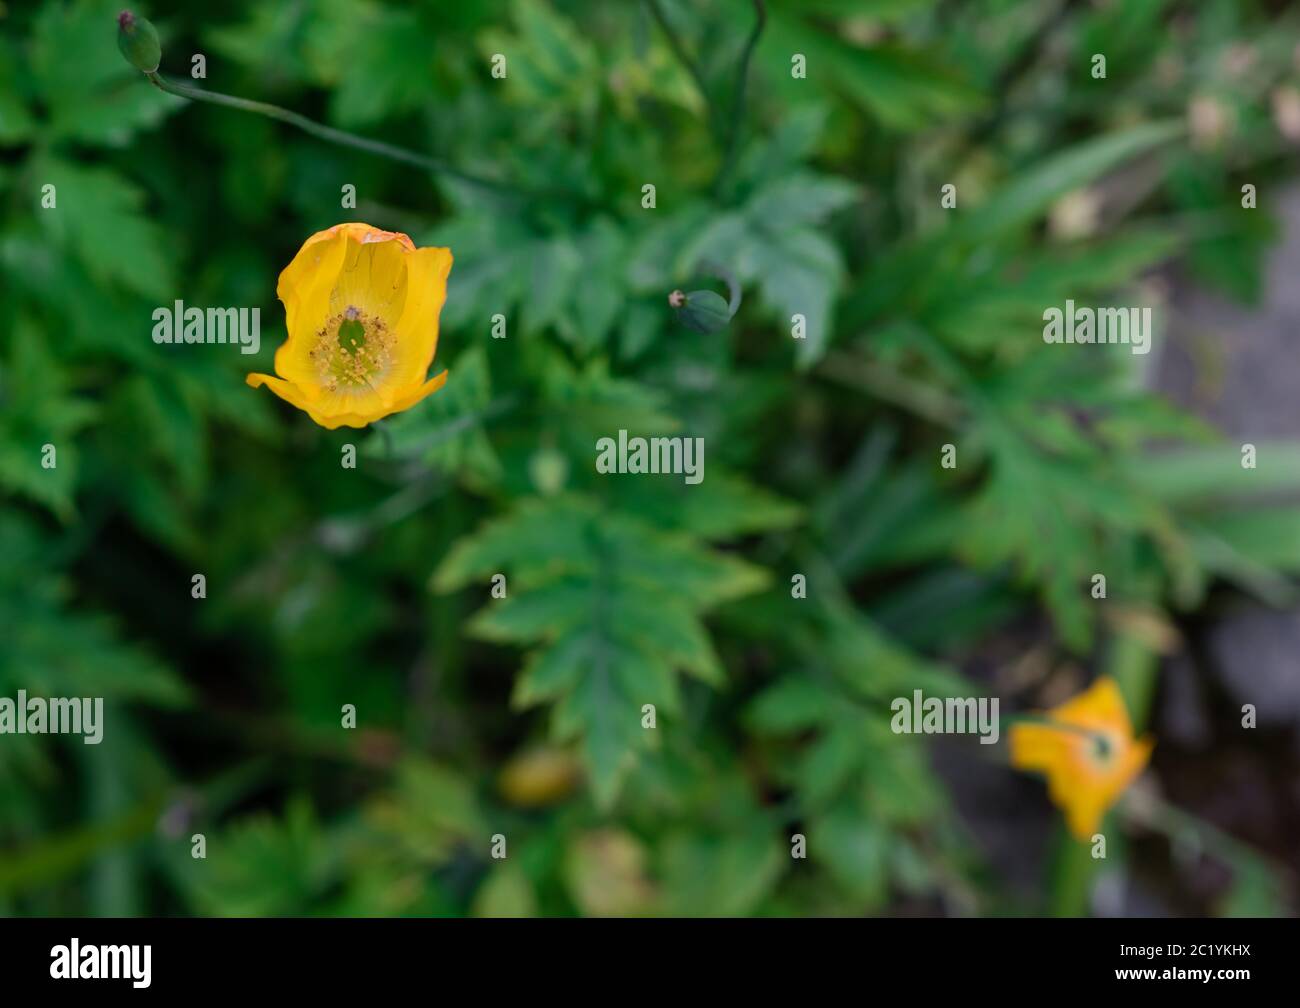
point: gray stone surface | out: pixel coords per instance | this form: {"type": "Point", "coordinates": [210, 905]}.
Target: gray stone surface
{"type": "Point", "coordinates": [1238, 367]}
{"type": "Point", "coordinates": [1256, 655]}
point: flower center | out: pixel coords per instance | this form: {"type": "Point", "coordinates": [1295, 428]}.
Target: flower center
{"type": "Point", "coordinates": [1103, 748]}
{"type": "Point", "coordinates": [352, 334]}
{"type": "Point", "coordinates": [353, 351]}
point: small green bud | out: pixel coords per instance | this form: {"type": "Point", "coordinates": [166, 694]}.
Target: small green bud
{"type": "Point", "coordinates": [549, 469]}
{"type": "Point", "coordinates": [701, 311]}
{"type": "Point", "coordinates": [138, 40]}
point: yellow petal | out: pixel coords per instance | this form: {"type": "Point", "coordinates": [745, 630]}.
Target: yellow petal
{"type": "Point", "coordinates": [361, 232]}
{"type": "Point", "coordinates": [417, 330]}
{"type": "Point", "coordinates": [366, 402]}
{"type": "Point", "coordinates": [286, 390]}
{"type": "Point", "coordinates": [1038, 747]}
{"type": "Point", "coordinates": [305, 286]}
{"type": "Point", "coordinates": [412, 396]}
{"type": "Point", "coordinates": [296, 396]}
{"type": "Point", "coordinates": [330, 411]}
{"type": "Point", "coordinates": [1084, 810]}
{"type": "Point", "coordinates": [372, 277]}
{"type": "Point", "coordinates": [1101, 705]}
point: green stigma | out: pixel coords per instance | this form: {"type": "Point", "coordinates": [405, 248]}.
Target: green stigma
{"type": "Point", "coordinates": [352, 335]}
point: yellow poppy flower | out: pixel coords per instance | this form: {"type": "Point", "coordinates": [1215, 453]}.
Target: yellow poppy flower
{"type": "Point", "coordinates": [1087, 750]}
{"type": "Point", "coordinates": [362, 309]}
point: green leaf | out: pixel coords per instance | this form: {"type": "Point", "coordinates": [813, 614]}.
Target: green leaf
{"type": "Point", "coordinates": [777, 242]}
{"type": "Point", "coordinates": [39, 409]}
{"type": "Point", "coordinates": [721, 507]}
{"type": "Point", "coordinates": [99, 218]}
{"type": "Point", "coordinates": [92, 95]}
{"type": "Point", "coordinates": [1028, 195]}
{"type": "Point", "coordinates": [448, 429]}
{"type": "Point", "coordinates": [16, 120]}
{"type": "Point", "coordinates": [506, 892]}
{"type": "Point", "coordinates": [798, 199]}
{"type": "Point", "coordinates": [613, 608]}
{"type": "Point", "coordinates": [801, 275]}
{"type": "Point", "coordinates": [377, 60]}
{"type": "Point", "coordinates": [905, 88]}
{"type": "Point", "coordinates": [550, 65]}
{"type": "Point", "coordinates": [263, 866]}
{"type": "Point", "coordinates": [717, 876]}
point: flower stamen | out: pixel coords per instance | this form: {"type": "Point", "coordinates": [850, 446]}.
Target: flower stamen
{"type": "Point", "coordinates": [352, 351]}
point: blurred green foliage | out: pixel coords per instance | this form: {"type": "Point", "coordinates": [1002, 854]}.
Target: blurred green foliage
{"type": "Point", "coordinates": [328, 586]}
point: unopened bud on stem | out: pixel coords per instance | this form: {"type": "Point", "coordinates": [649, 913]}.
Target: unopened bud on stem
{"type": "Point", "coordinates": [138, 40]}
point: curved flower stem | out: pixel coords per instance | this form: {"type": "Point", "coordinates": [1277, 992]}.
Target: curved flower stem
{"type": "Point", "coordinates": [738, 105]}
{"type": "Point", "coordinates": [683, 57]}
{"type": "Point", "coordinates": [727, 277]}
{"type": "Point", "coordinates": [332, 135]}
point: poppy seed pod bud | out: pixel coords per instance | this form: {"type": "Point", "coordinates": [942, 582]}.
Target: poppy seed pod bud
{"type": "Point", "coordinates": [703, 311]}
{"type": "Point", "coordinates": [549, 469]}
{"type": "Point", "coordinates": [138, 40]}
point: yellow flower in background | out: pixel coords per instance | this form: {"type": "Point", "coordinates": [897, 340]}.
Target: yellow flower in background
{"type": "Point", "coordinates": [1087, 750]}
{"type": "Point", "coordinates": [539, 777]}
{"type": "Point", "coordinates": [362, 309]}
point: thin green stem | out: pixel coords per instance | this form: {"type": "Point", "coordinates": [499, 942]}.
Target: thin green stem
{"type": "Point", "coordinates": [886, 382]}
{"type": "Point", "coordinates": [738, 105]}
{"type": "Point", "coordinates": [332, 135]}
{"type": "Point", "coordinates": [1172, 821]}
{"type": "Point", "coordinates": [727, 277]}
{"type": "Point", "coordinates": [684, 58]}
{"type": "Point", "coordinates": [1134, 667]}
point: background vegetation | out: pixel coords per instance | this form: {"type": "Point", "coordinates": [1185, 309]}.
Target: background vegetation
{"type": "Point", "coordinates": [522, 716]}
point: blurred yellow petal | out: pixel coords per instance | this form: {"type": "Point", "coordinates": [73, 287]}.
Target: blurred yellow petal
{"type": "Point", "coordinates": [1100, 706]}
{"type": "Point", "coordinates": [1084, 812]}
{"type": "Point", "coordinates": [1037, 747]}
{"type": "Point", "coordinates": [539, 777]}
